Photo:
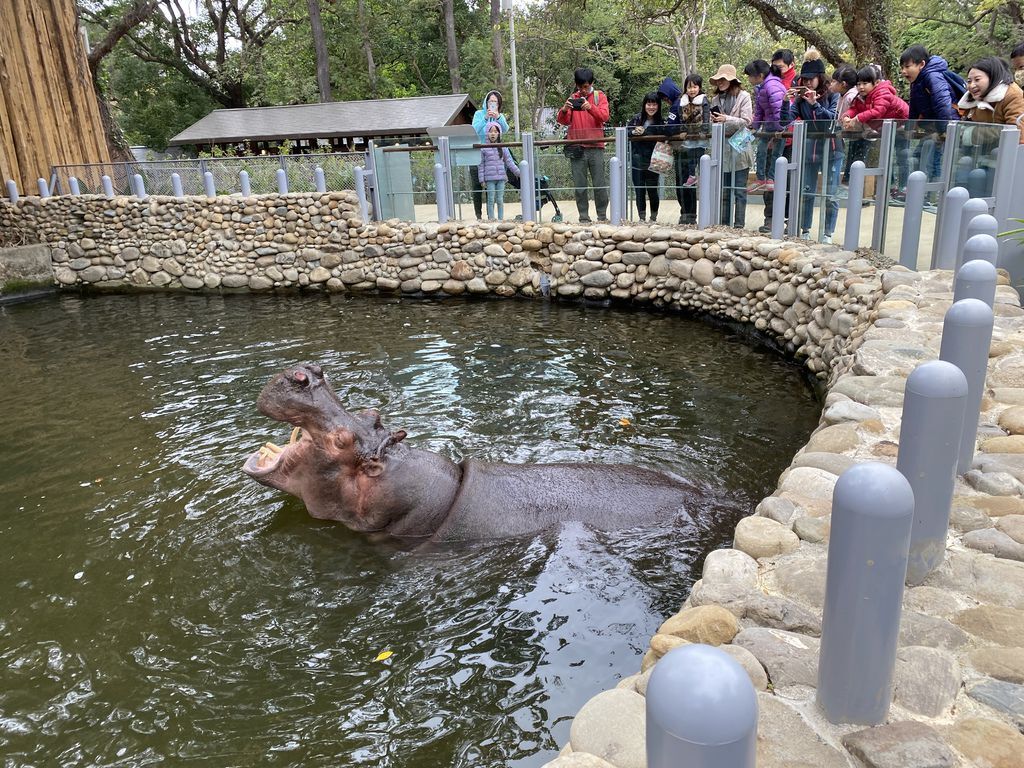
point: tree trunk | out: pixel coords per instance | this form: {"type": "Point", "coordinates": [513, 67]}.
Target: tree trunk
{"type": "Point", "coordinates": [323, 70]}
{"type": "Point", "coordinates": [364, 36]}
{"type": "Point", "coordinates": [448, 7]}
{"type": "Point", "coordinates": [865, 22]}
{"type": "Point", "coordinates": [498, 46]}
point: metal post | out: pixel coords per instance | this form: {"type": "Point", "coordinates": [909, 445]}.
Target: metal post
{"type": "Point", "coordinates": [947, 228]}
{"type": "Point", "coordinates": [796, 177]}
{"type": "Point", "coordinates": [614, 192]}
{"type": "Point", "coordinates": [972, 208]}
{"type": "Point", "coordinates": [934, 401]}
{"type": "Point", "coordinates": [12, 190]}
{"type": "Point", "coordinates": [318, 178]}
{"type": "Point", "coordinates": [966, 338]}
{"type": "Point", "coordinates": [621, 176]}
{"type": "Point", "coordinates": [1007, 205]}
{"type": "Point", "coordinates": [108, 186]}
{"type": "Point", "coordinates": [243, 180]}
{"type": "Point", "coordinates": [984, 247]}
{"type": "Point", "coordinates": [872, 512]}
{"type": "Point", "coordinates": [531, 169]}
{"type": "Point", "coordinates": [701, 711]}
{"type": "Point", "coordinates": [440, 197]}
{"type": "Point", "coordinates": [73, 184]}
{"type": "Point", "coordinates": [976, 279]}
{"type": "Point", "coordinates": [44, 188]}
{"type": "Point", "coordinates": [364, 206]}
{"type": "Point", "coordinates": [139, 186]}
{"type": "Point", "coordinates": [507, 4]}
{"type": "Point", "coordinates": [176, 187]}
{"type": "Point", "coordinates": [526, 191]}
{"type": "Point", "coordinates": [854, 204]}
{"type": "Point", "coordinates": [282, 181]}
{"type": "Point", "coordinates": [444, 152]}
{"type": "Point", "coordinates": [779, 198]}
{"type": "Point", "coordinates": [208, 185]}
{"type": "Point", "coordinates": [886, 156]}
{"type": "Point", "coordinates": [704, 193]}
{"type": "Point", "coordinates": [715, 187]}
{"type": "Point", "coordinates": [910, 240]}
{"type": "Point", "coordinates": [371, 175]}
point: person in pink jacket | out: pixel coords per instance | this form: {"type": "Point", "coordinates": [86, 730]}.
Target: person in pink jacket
{"type": "Point", "coordinates": [876, 100]}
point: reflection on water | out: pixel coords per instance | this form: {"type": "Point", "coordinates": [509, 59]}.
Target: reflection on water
{"type": "Point", "coordinates": [159, 606]}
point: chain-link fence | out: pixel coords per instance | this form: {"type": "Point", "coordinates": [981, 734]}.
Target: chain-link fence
{"type": "Point", "coordinates": [339, 174]}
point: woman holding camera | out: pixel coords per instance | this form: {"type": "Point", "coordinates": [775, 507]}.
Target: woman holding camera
{"type": "Point", "coordinates": [814, 103]}
{"type": "Point", "coordinates": [586, 112]}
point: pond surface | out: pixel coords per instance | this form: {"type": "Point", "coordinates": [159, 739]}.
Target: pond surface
{"type": "Point", "coordinates": [159, 607]}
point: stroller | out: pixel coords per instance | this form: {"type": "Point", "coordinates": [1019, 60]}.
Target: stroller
{"type": "Point", "coordinates": [541, 192]}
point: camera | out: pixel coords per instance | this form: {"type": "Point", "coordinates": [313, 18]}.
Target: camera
{"type": "Point", "coordinates": [577, 102]}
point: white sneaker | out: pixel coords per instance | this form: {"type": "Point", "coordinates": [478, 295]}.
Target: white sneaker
{"type": "Point", "coordinates": [806, 234]}
{"type": "Point", "coordinates": [826, 239]}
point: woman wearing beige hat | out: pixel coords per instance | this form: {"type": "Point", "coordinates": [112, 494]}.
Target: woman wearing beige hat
{"type": "Point", "coordinates": [731, 105]}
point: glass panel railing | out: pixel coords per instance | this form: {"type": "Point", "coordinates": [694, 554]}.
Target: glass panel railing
{"type": "Point", "coordinates": [573, 178]}
{"type": "Point", "coordinates": [405, 180]}
{"type": "Point", "coordinates": [822, 172]}
{"type": "Point", "coordinates": [675, 189]}
{"type": "Point", "coordinates": [472, 200]}
{"type": "Point", "coordinates": [974, 153]}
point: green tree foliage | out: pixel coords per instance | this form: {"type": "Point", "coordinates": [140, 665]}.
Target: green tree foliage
{"type": "Point", "coordinates": [188, 57]}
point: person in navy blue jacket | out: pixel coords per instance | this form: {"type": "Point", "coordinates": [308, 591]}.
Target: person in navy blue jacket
{"type": "Point", "coordinates": [931, 99]}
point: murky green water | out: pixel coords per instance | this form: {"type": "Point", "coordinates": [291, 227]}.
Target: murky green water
{"type": "Point", "coordinates": [158, 607]}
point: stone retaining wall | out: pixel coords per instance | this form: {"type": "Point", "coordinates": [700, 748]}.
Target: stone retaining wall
{"type": "Point", "coordinates": [813, 300]}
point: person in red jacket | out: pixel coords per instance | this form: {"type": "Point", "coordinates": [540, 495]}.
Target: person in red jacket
{"type": "Point", "coordinates": [876, 100]}
{"type": "Point", "coordinates": [586, 112]}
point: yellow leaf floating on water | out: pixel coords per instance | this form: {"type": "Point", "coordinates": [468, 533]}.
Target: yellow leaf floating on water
{"type": "Point", "coordinates": [384, 656]}
{"type": "Point", "coordinates": [625, 422]}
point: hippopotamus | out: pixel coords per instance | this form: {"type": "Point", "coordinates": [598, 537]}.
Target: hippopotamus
{"type": "Point", "coordinates": [350, 468]}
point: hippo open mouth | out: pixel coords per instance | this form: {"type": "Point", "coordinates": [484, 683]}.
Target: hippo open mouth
{"type": "Point", "coordinates": [272, 456]}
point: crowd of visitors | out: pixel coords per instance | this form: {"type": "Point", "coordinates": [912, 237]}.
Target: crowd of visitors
{"type": "Point", "coordinates": [842, 113]}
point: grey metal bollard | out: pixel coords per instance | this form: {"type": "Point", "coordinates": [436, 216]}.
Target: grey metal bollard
{"type": "Point", "coordinates": [44, 188]}
{"type": "Point", "coordinates": [934, 401]}
{"type": "Point", "coordinates": [12, 190]}
{"type": "Point", "coordinates": [966, 338]}
{"type": "Point", "coordinates": [176, 188]}
{"type": "Point", "coordinates": [779, 198]}
{"type": "Point", "coordinates": [977, 180]}
{"type": "Point", "coordinates": [962, 170]}
{"type": "Point", "coordinates": [701, 711]}
{"type": "Point", "coordinates": [985, 224]}
{"type": "Point", "coordinates": [527, 202]}
{"type": "Point", "coordinates": [872, 511]}
{"type": "Point", "coordinates": [440, 196]}
{"type": "Point", "coordinates": [910, 240]}
{"type": "Point", "coordinates": [949, 228]}
{"type": "Point", "coordinates": [854, 206]}
{"type": "Point", "coordinates": [75, 188]}
{"type": "Point", "coordinates": [243, 180]}
{"type": "Point", "coordinates": [704, 202]}
{"type": "Point", "coordinates": [976, 280]}
{"type": "Point", "coordinates": [971, 210]}
{"type": "Point", "coordinates": [319, 180]}
{"type": "Point", "coordinates": [139, 186]}
{"type": "Point", "coordinates": [984, 247]}
{"type": "Point", "coordinates": [282, 182]}
{"type": "Point", "coordinates": [208, 185]}
{"type": "Point", "coordinates": [108, 186]}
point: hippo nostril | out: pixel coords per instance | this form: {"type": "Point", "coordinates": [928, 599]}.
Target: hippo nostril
{"type": "Point", "coordinates": [301, 378]}
{"type": "Point", "coordinates": [316, 370]}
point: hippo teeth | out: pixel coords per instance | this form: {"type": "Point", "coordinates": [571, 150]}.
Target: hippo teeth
{"type": "Point", "coordinates": [271, 451]}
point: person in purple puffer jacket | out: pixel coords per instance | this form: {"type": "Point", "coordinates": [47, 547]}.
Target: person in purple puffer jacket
{"type": "Point", "coordinates": [767, 114]}
{"type": "Point", "coordinates": [495, 165]}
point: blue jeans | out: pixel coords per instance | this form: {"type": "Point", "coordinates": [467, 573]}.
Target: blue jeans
{"type": "Point", "coordinates": [831, 181]}
{"type": "Point", "coordinates": [495, 193]}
